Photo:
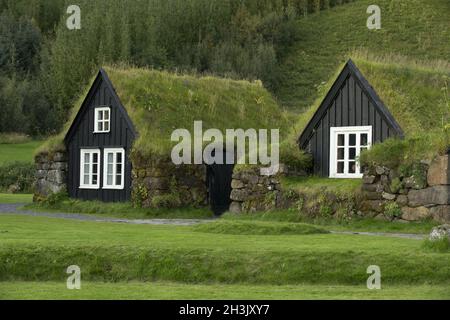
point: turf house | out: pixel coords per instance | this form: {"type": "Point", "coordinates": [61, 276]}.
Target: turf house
{"type": "Point", "coordinates": [349, 120]}
{"type": "Point", "coordinates": [117, 147]}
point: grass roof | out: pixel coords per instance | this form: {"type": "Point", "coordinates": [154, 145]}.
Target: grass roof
{"type": "Point", "coordinates": [159, 102]}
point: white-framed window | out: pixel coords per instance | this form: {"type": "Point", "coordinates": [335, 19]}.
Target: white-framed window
{"type": "Point", "coordinates": [113, 168]}
{"type": "Point", "coordinates": [346, 144]}
{"type": "Point", "coordinates": [89, 169]}
{"type": "Point", "coordinates": [102, 120]}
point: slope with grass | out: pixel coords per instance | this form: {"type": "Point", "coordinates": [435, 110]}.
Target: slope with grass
{"type": "Point", "coordinates": [18, 152]}
{"type": "Point", "coordinates": [39, 249]}
{"type": "Point", "coordinates": [417, 29]}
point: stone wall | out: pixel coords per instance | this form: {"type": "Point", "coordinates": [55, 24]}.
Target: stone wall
{"type": "Point", "coordinates": [422, 193]}
{"type": "Point", "coordinates": [161, 184]}
{"type": "Point", "coordinates": [51, 174]}
{"type": "Point", "coordinates": [252, 192]}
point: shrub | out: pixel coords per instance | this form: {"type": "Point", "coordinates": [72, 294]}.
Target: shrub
{"type": "Point", "coordinates": [392, 210]}
{"type": "Point", "coordinates": [166, 201]}
{"type": "Point", "coordinates": [18, 175]}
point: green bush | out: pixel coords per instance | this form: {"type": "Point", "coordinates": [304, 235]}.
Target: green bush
{"type": "Point", "coordinates": [392, 210]}
{"type": "Point", "coordinates": [19, 176]}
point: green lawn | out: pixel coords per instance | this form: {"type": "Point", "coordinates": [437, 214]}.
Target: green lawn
{"type": "Point", "coordinates": [15, 198]}
{"type": "Point", "coordinates": [171, 290]}
{"type": "Point", "coordinates": [39, 249]}
{"type": "Point", "coordinates": [21, 152]}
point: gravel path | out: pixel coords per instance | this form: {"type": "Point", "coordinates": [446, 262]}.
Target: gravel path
{"type": "Point", "coordinates": [15, 209]}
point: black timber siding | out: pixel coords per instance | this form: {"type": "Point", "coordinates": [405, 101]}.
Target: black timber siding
{"type": "Point", "coordinates": [82, 136]}
{"type": "Point", "coordinates": [350, 102]}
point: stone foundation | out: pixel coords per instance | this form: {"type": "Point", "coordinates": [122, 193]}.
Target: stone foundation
{"type": "Point", "coordinates": [252, 192]}
{"type": "Point", "coordinates": [51, 174]}
{"type": "Point", "coordinates": [161, 184]}
{"type": "Point", "coordinates": [423, 194]}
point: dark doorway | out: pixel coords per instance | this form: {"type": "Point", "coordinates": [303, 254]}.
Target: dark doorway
{"type": "Point", "coordinates": [218, 179]}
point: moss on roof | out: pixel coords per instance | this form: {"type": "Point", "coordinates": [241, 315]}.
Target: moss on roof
{"type": "Point", "coordinates": [159, 102]}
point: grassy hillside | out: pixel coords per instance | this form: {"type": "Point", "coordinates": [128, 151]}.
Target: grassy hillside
{"type": "Point", "coordinates": [418, 29]}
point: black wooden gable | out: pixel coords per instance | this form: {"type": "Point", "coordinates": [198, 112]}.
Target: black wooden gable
{"type": "Point", "coordinates": [81, 136]}
{"type": "Point", "coordinates": [361, 85]}
{"type": "Point", "coordinates": [101, 82]}
{"type": "Point", "coordinates": [351, 102]}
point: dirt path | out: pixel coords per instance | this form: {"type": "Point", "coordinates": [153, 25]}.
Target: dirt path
{"type": "Point", "coordinates": [15, 209]}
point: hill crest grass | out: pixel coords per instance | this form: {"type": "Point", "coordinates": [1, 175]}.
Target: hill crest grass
{"type": "Point", "coordinates": [258, 228]}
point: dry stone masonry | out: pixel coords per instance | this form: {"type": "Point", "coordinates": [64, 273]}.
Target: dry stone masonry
{"type": "Point", "coordinates": [423, 193]}
{"type": "Point", "coordinates": [51, 174]}
{"type": "Point", "coordinates": [159, 183]}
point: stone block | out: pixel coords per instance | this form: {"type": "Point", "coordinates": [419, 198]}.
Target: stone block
{"type": "Point", "coordinates": [436, 195]}
{"type": "Point", "coordinates": [237, 184]}
{"type": "Point", "coordinates": [415, 214]}
{"type": "Point", "coordinates": [236, 207]}
{"type": "Point", "coordinates": [439, 171]}
{"type": "Point", "coordinates": [441, 213]}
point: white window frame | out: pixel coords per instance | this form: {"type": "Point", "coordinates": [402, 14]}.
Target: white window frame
{"type": "Point", "coordinates": [97, 121]}
{"type": "Point", "coordinates": [114, 186]}
{"type": "Point", "coordinates": [91, 152]}
{"type": "Point", "coordinates": [334, 131]}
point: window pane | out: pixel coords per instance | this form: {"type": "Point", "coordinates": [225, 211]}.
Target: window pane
{"type": "Point", "coordinates": [110, 157]}
{"type": "Point", "coordinates": [341, 152]}
{"type": "Point", "coordinates": [352, 167]}
{"type": "Point", "coordinates": [94, 179]}
{"type": "Point", "coordinates": [363, 149]}
{"type": "Point", "coordinates": [119, 157]}
{"type": "Point", "coordinates": [352, 153]}
{"type": "Point", "coordinates": [86, 158]}
{"type": "Point", "coordinates": [100, 115]}
{"type": "Point", "coordinates": [94, 168]}
{"type": "Point", "coordinates": [107, 115]}
{"type": "Point", "coordinates": [109, 180]}
{"type": "Point", "coordinates": [106, 126]}
{"type": "Point", "coordinates": [86, 169]}
{"type": "Point", "coordinates": [364, 138]}
{"type": "Point", "coordinates": [341, 140]}
{"type": "Point", "coordinates": [118, 180]}
{"type": "Point", "coordinates": [110, 168]}
{"type": "Point", "coordinates": [100, 126]}
{"type": "Point", "coordinates": [352, 139]}
{"type": "Point", "coordinates": [118, 168]}
{"type": "Point", "coordinates": [86, 179]}
{"type": "Point", "coordinates": [95, 158]}
{"type": "Point", "coordinates": [340, 167]}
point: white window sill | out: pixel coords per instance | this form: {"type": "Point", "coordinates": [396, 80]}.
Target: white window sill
{"type": "Point", "coordinates": [346, 176]}
{"type": "Point", "coordinates": [89, 187]}
{"type": "Point", "coordinates": [101, 131]}
{"type": "Point", "coordinates": [112, 188]}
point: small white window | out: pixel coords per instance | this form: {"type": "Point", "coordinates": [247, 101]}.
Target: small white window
{"type": "Point", "coordinates": [113, 168]}
{"type": "Point", "coordinates": [346, 144]}
{"type": "Point", "coordinates": [89, 169]}
{"type": "Point", "coordinates": [102, 120]}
